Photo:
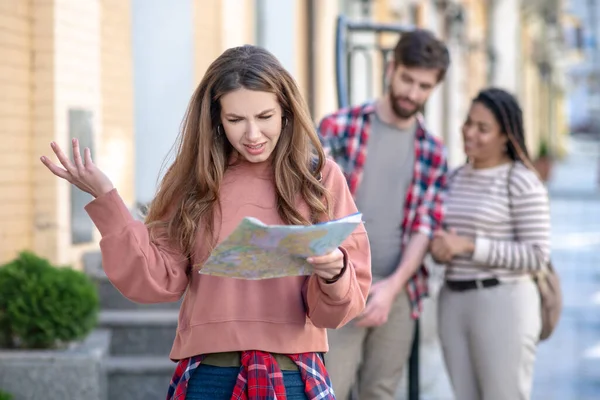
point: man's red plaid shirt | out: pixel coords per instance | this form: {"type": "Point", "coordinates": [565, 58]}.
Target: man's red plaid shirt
{"type": "Point", "coordinates": [345, 135]}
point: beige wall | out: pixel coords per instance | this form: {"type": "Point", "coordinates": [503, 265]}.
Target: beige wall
{"type": "Point", "coordinates": [117, 137]}
{"type": "Point", "coordinates": [44, 191]}
{"type": "Point", "coordinates": [56, 56]}
{"type": "Point", "coordinates": [207, 24]}
{"type": "Point", "coordinates": [530, 90]}
{"type": "Point", "coordinates": [477, 56]}
{"type": "Point", "coordinates": [383, 13]}
{"type": "Point", "coordinates": [301, 47]}
{"type": "Point", "coordinates": [325, 90]}
{"type": "Point", "coordinates": [16, 111]}
{"type": "Point", "coordinates": [237, 23]}
{"type": "Point", "coordinates": [77, 86]}
{"type": "Point", "coordinates": [219, 25]}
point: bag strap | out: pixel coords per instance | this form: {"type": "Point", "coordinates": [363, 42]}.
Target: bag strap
{"type": "Point", "coordinates": [510, 208]}
{"type": "Point", "coordinates": [510, 205]}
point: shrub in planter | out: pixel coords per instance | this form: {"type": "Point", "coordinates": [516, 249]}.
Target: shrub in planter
{"type": "Point", "coordinates": [44, 307]}
{"type": "Point", "coordinates": [5, 396]}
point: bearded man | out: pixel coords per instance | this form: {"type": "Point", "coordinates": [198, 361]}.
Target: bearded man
{"type": "Point", "coordinates": [399, 188]}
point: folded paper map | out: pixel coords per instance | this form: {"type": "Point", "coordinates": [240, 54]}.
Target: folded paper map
{"type": "Point", "coordinates": [258, 251]}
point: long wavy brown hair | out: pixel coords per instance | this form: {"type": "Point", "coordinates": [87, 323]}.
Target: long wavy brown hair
{"type": "Point", "coordinates": [187, 199]}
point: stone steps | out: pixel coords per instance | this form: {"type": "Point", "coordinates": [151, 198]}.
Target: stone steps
{"type": "Point", "coordinates": [110, 297]}
{"type": "Point", "coordinates": [138, 377]}
{"type": "Point", "coordinates": [140, 332]}
{"type": "Point", "coordinates": [138, 366]}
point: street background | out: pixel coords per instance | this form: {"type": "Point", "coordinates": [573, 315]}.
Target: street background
{"type": "Point", "coordinates": [568, 366]}
{"type": "Point", "coordinates": [118, 74]}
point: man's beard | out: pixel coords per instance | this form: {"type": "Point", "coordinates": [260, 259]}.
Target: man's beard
{"type": "Point", "coordinates": [401, 112]}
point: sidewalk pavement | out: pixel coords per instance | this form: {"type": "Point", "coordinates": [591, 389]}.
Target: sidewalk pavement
{"type": "Point", "coordinates": [568, 365]}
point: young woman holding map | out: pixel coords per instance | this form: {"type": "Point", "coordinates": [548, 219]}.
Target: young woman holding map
{"type": "Point", "coordinates": [248, 148]}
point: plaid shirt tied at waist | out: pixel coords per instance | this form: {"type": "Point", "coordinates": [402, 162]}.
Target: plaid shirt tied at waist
{"type": "Point", "coordinates": [260, 377]}
{"type": "Point", "coordinates": [345, 134]}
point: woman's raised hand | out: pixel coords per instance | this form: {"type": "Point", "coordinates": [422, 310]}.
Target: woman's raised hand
{"type": "Point", "coordinates": [81, 173]}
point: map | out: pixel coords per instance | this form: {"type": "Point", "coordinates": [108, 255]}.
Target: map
{"type": "Point", "coordinates": [255, 250]}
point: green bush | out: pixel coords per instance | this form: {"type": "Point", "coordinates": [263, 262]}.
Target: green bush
{"type": "Point", "coordinates": [544, 150]}
{"type": "Point", "coordinates": [42, 306]}
{"type": "Point", "coordinates": [5, 396]}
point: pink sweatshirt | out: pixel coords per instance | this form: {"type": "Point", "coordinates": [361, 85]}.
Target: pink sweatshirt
{"type": "Point", "coordinates": [284, 315]}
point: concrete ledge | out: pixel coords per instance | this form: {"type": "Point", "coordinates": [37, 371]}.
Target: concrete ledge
{"type": "Point", "coordinates": [74, 373]}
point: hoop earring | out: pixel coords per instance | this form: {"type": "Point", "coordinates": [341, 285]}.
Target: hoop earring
{"type": "Point", "coordinates": [219, 127]}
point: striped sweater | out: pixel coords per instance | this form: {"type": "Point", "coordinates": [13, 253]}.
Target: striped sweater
{"type": "Point", "coordinates": [511, 240]}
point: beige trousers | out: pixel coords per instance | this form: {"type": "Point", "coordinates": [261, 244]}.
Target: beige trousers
{"type": "Point", "coordinates": [370, 361]}
{"type": "Point", "coordinates": [489, 338]}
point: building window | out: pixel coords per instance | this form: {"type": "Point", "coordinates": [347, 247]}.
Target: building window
{"type": "Point", "coordinates": [357, 9]}
{"type": "Point", "coordinates": [80, 127]}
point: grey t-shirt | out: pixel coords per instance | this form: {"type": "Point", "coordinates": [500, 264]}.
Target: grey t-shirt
{"type": "Point", "coordinates": [381, 195]}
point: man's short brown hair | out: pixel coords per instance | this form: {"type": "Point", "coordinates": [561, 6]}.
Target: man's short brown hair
{"type": "Point", "coordinates": [419, 48]}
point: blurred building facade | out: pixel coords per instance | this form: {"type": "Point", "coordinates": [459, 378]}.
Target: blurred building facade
{"type": "Point", "coordinates": [118, 74]}
{"type": "Point", "coordinates": [66, 69]}
{"type": "Point", "coordinates": [584, 77]}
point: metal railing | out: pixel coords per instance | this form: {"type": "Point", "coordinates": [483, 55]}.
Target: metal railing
{"type": "Point", "coordinates": [346, 50]}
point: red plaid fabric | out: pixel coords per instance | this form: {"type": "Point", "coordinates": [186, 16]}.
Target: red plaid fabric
{"type": "Point", "coordinates": [345, 135]}
{"type": "Point", "coordinates": [260, 377]}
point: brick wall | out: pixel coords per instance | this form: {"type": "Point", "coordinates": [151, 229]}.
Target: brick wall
{"type": "Point", "coordinates": [16, 211]}
{"type": "Point", "coordinates": [42, 123]}
{"type": "Point", "coordinates": [57, 55]}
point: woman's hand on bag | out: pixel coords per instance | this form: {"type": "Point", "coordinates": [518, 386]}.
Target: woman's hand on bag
{"type": "Point", "coordinates": [328, 266]}
{"type": "Point", "coordinates": [81, 173]}
{"type": "Point", "coordinates": [446, 245]}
